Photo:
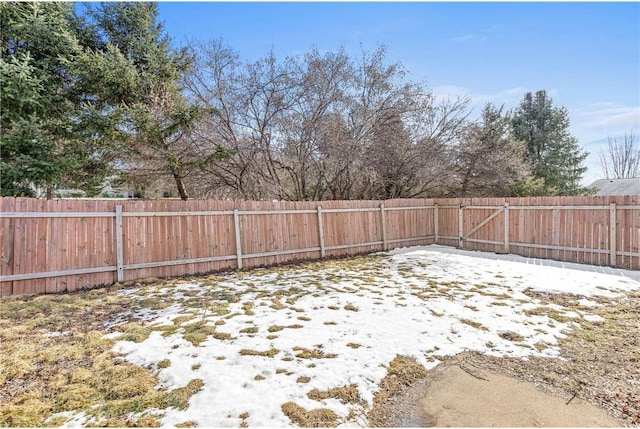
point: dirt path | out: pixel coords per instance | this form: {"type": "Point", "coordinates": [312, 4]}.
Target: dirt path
{"type": "Point", "coordinates": [457, 397]}
{"type": "Point", "coordinates": [459, 394]}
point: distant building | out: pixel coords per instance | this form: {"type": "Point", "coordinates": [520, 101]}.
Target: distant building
{"type": "Point", "coordinates": [617, 186]}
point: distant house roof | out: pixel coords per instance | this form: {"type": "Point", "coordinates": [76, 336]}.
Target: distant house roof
{"type": "Point", "coordinates": [617, 186]}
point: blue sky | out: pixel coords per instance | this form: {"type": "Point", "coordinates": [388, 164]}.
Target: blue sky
{"type": "Point", "coordinates": [586, 55]}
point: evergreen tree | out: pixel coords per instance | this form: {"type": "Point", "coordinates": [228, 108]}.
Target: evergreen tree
{"type": "Point", "coordinates": [554, 154]}
{"type": "Point", "coordinates": [160, 120]}
{"type": "Point", "coordinates": [45, 142]}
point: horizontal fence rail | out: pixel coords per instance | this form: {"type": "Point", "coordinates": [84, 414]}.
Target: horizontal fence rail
{"type": "Point", "coordinates": [64, 245]}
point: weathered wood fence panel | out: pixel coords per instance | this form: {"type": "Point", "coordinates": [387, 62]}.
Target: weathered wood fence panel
{"type": "Point", "coordinates": [51, 246]}
{"type": "Point", "coordinates": [592, 230]}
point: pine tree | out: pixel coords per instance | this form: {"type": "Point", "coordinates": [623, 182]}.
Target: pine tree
{"type": "Point", "coordinates": [160, 119]}
{"type": "Point", "coordinates": [554, 154]}
{"type": "Point", "coordinates": [54, 132]}
{"type": "Point", "coordinates": [39, 145]}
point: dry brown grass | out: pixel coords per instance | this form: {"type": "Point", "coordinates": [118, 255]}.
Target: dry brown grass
{"type": "Point", "coordinates": [402, 373]}
{"type": "Point", "coordinates": [474, 324]}
{"type": "Point", "coordinates": [277, 328]}
{"type": "Point", "coordinates": [313, 354]}
{"type": "Point", "coordinates": [511, 336]}
{"type": "Point", "coordinates": [55, 359]}
{"type": "Point", "coordinates": [267, 353]}
{"type": "Point", "coordinates": [318, 418]}
{"type": "Point", "coordinates": [549, 312]}
{"type": "Point", "coordinates": [346, 394]}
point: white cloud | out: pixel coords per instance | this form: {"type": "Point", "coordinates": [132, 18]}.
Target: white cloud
{"type": "Point", "coordinates": [610, 116]}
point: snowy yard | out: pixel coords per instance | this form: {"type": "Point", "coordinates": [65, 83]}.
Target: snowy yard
{"type": "Point", "coordinates": [251, 342]}
{"type": "Point", "coordinates": [275, 335]}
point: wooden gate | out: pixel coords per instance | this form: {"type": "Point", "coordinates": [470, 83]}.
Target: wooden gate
{"type": "Point", "coordinates": [495, 226]}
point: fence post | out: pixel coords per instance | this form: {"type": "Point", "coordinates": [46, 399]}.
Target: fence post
{"type": "Point", "coordinates": [613, 219]}
{"type": "Point", "coordinates": [435, 222]}
{"type": "Point", "coordinates": [236, 223]}
{"type": "Point", "coordinates": [321, 232]}
{"type": "Point", "coordinates": [506, 227]}
{"type": "Point", "coordinates": [119, 245]}
{"type": "Point", "coordinates": [460, 231]}
{"type": "Point", "coordinates": [384, 227]}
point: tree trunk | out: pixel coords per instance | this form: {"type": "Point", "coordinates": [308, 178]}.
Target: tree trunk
{"type": "Point", "coordinates": [181, 189]}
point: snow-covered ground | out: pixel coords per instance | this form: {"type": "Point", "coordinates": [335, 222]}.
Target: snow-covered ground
{"type": "Point", "coordinates": [425, 302]}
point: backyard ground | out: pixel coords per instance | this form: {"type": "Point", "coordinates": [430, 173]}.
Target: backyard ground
{"type": "Point", "coordinates": [345, 342]}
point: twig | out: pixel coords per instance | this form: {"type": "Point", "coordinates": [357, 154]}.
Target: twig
{"type": "Point", "coordinates": [571, 399]}
{"type": "Point", "coordinates": [468, 371]}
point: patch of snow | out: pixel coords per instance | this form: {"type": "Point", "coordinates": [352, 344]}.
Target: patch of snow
{"type": "Point", "coordinates": [589, 303]}
{"type": "Point", "coordinates": [112, 335]}
{"type": "Point", "coordinates": [74, 420]}
{"type": "Point", "coordinates": [571, 315]}
{"type": "Point", "coordinates": [593, 318]}
{"type": "Point", "coordinates": [55, 334]}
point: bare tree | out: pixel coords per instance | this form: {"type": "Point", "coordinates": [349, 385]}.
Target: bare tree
{"type": "Point", "coordinates": [489, 161]}
{"type": "Point", "coordinates": [622, 157]}
{"type": "Point", "coordinates": [321, 126]}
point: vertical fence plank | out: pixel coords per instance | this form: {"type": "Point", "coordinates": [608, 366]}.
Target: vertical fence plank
{"type": "Point", "coordinates": [435, 222]}
{"type": "Point", "coordinates": [323, 252]}
{"type": "Point", "coordinates": [506, 227]}
{"type": "Point", "coordinates": [236, 223]}
{"type": "Point", "coordinates": [119, 245]}
{"type": "Point", "coordinates": [460, 225]}
{"type": "Point", "coordinates": [612, 234]}
{"type": "Point", "coordinates": [7, 240]}
{"type": "Point", "coordinates": [383, 223]}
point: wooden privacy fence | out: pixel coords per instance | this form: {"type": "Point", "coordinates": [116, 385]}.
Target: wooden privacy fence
{"type": "Point", "coordinates": [64, 245]}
